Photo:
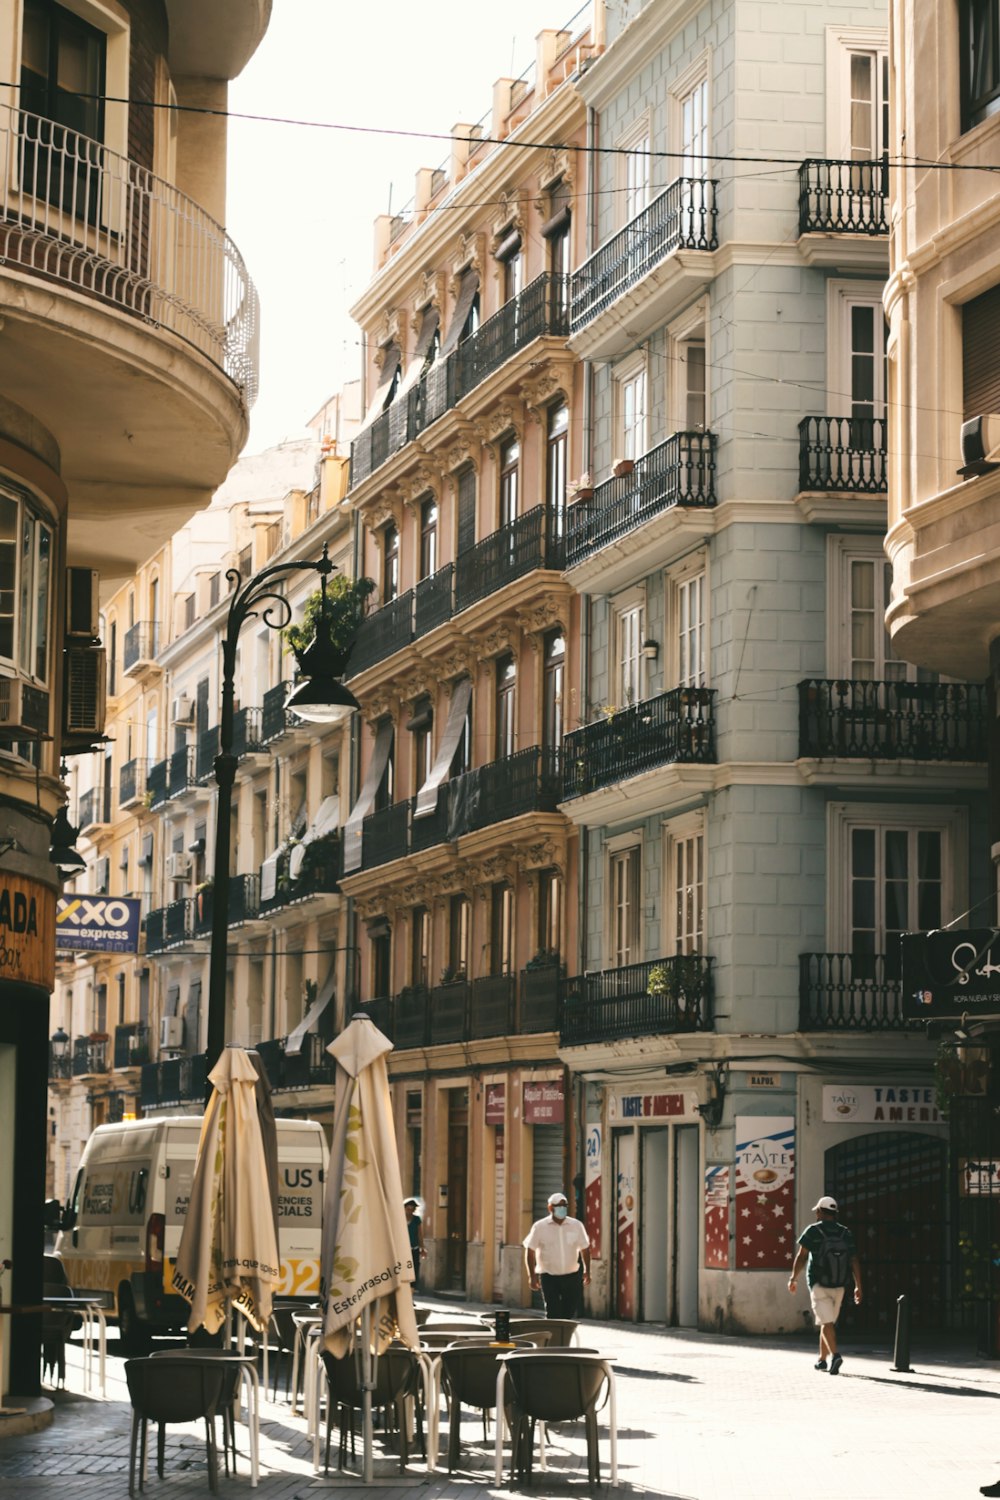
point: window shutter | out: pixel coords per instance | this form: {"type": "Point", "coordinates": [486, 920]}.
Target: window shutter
{"type": "Point", "coordinates": [981, 354]}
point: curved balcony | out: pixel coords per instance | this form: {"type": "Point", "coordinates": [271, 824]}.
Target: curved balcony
{"type": "Point", "coordinates": [74, 212]}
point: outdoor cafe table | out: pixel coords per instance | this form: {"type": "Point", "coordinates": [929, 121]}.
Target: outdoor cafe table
{"type": "Point", "coordinates": [91, 1310]}
{"type": "Point", "coordinates": [561, 1354]}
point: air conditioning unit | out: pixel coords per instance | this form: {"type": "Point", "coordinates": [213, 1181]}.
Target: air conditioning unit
{"type": "Point", "coordinates": [980, 438]}
{"type": "Point", "coordinates": [178, 867]}
{"type": "Point", "coordinates": [82, 605]}
{"type": "Point", "coordinates": [23, 708]}
{"type": "Point", "coordinates": [84, 692]}
{"type": "Point", "coordinates": [171, 1033]}
{"type": "Point", "coordinates": [183, 713]}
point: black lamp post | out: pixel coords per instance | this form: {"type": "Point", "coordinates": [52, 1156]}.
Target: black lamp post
{"type": "Point", "coordinates": [322, 699]}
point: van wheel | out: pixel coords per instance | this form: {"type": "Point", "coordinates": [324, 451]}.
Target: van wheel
{"type": "Point", "coordinates": [134, 1335]}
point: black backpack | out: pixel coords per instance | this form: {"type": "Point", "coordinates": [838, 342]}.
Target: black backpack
{"type": "Point", "coordinates": [832, 1258]}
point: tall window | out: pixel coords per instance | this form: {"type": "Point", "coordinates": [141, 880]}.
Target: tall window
{"type": "Point", "coordinates": [554, 653]}
{"type": "Point", "coordinates": [466, 486]}
{"type": "Point", "coordinates": [381, 961]}
{"type": "Point", "coordinates": [980, 60]}
{"type": "Point", "coordinates": [631, 402]}
{"type": "Point", "coordinates": [557, 424]}
{"type": "Point", "coordinates": [634, 174]}
{"type": "Point", "coordinates": [869, 104]}
{"type": "Point", "coordinates": [861, 585]}
{"type": "Point", "coordinates": [390, 564]}
{"type": "Point", "coordinates": [459, 935]}
{"type": "Point", "coordinates": [428, 537]}
{"type": "Point", "coordinates": [694, 385]}
{"type": "Point", "coordinates": [386, 787]}
{"type": "Point", "coordinates": [510, 459]}
{"type": "Point", "coordinates": [895, 887]}
{"type": "Point", "coordinates": [689, 595]}
{"type": "Point", "coordinates": [506, 706]}
{"type": "Point", "coordinates": [420, 726]}
{"type": "Point", "coordinates": [501, 929]}
{"type": "Point", "coordinates": [694, 130]}
{"type": "Point", "coordinates": [624, 877]}
{"type": "Point", "coordinates": [62, 68]}
{"type": "Point", "coordinates": [461, 761]}
{"type": "Point", "coordinates": [512, 265]}
{"type": "Point", "coordinates": [686, 884]}
{"type": "Point", "coordinates": [629, 631]}
{"type": "Point", "coordinates": [26, 557]}
{"type": "Point", "coordinates": [549, 911]}
{"type": "Point", "coordinates": [420, 945]}
{"type": "Point", "coordinates": [556, 231]}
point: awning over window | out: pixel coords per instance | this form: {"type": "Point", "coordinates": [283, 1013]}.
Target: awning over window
{"type": "Point", "coordinates": [558, 220]}
{"type": "Point", "coordinates": [428, 794]}
{"type": "Point", "coordinates": [366, 798]}
{"type": "Point", "coordinates": [294, 1039]}
{"type": "Point", "coordinates": [425, 338]}
{"type": "Point", "coordinates": [327, 820]}
{"type": "Point", "coordinates": [463, 306]}
{"type": "Point", "coordinates": [387, 375]}
{"type": "Point", "coordinates": [269, 869]}
{"type": "Point", "coordinates": [508, 246]}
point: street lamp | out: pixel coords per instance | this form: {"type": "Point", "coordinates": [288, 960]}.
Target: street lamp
{"type": "Point", "coordinates": [321, 698]}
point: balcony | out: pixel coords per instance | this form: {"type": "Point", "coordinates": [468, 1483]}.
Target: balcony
{"type": "Point", "coordinates": [680, 471]}
{"type": "Point", "coordinates": [60, 1068]}
{"type": "Point", "coordinates": [616, 1004]}
{"type": "Point", "coordinates": [179, 1080]}
{"type": "Point", "coordinates": [319, 875]}
{"type": "Point", "coordinates": [93, 810]}
{"type": "Point", "coordinates": [275, 718]}
{"type": "Point", "coordinates": [170, 926]}
{"type": "Point", "coordinates": [131, 1046]}
{"type": "Point", "coordinates": [539, 310]}
{"type": "Point", "coordinates": [682, 218]}
{"type": "Point", "coordinates": [839, 198]}
{"type": "Point", "coordinates": [90, 1056]}
{"type": "Point", "coordinates": [101, 224]}
{"type": "Point", "coordinates": [132, 783]}
{"type": "Point", "coordinates": [156, 783]}
{"type": "Point", "coordinates": [849, 992]}
{"type": "Point", "coordinates": [384, 835]}
{"type": "Point", "coordinates": [140, 647]}
{"type": "Point", "coordinates": [843, 455]}
{"type": "Point", "coordinates": [462, 1011]}
{"type": "Point", "coordinates": [310, 1068]}
{"type": "Point", "coordinates": [244, 904]}
{"type": "Point", "coordinates": [523, 545]}
{"type": "Point", "coordinates": [180, 771]}
{"type": "Point", "coordinates": [859, 719]}
{"type": "Point", "coordinates": [248, 732]}
{"type": "Point", "coordinates": [678, 726]}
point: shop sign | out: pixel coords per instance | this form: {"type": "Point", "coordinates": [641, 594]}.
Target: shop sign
{"type": "Point", "coordinates": [495, 1097]}
{"type": "Point", "coordinates": [717, 1218]}
{"type": "Point", "coordinates": [763, 1080]}
{"type": "Point", "coordinates": [765, 1181]}
{"type": "Point", "coordinates": [950, 973]}
{"type": "Point", "coordinates": [880, 1104]}
{"type": "Point", "coordinates": [652, 1106]}
{"type": "Point", "coordinates": [544, 1103]}
{"type": "Point", "coordinates": [103, 924]}
{"type": "Point", "coordinates": [978, 1178]}
{"type": "Point", "coordinates": [27, 932]}
{"type": "Point", "coordinates": [592, 1194]}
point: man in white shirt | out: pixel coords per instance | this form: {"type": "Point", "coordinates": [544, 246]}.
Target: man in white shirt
{"type": "Point", "coordinates": [557, 1259]}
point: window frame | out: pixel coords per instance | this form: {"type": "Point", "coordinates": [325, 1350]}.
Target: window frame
{"type": "Point", "coordinates": [623, 847]}
{"type": "Point", "coordinates": [430, 537]}
{"type": "Point", "coordinates": [623, 604]}
{"type": "Point", "coordinates": [843, 550]}
{"type": "Point", "coordinates": [24, 661]}
{"type": "Point", "coordinates": [678, 833]}
{"type": "Point", "coordinates": [676, 579]}
{"type": "Point", "coordinates": [697, 76]}
{"type": "Point", "coordinates": [637, 138]}
{"type": "Point", "coordinates": [626, 373]}
{"type": "Point", "coordinates": [842, 296]}
{"type": "Point", "coordinates": [508, 479]}
{"type": "Point", "coordinates": [841, 44]}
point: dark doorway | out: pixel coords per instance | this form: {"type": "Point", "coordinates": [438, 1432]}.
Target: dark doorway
{"type": "Point", "coordinates": [458, 1162]}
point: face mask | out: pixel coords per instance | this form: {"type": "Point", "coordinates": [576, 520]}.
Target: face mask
{"type": "Point", "coordinates": [560, 1210]}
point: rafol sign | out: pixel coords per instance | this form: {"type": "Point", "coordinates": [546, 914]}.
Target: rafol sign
{"type": "Point", "coordinates": [951, 973]}
{"type": "Point", "coordinates": [27, 927]}
{"type": "Point", "coordinates": [104, 924]}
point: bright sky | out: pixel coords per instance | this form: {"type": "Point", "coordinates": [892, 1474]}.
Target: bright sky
{"type": "Point", "coordinates": [302, 202]}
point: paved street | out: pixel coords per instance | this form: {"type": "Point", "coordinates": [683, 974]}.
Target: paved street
{"type": "Point", "coordinates": [700, 1418]}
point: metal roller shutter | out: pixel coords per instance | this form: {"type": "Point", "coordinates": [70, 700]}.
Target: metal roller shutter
{"type": "Point", "coordinates": [547, 1174]}
{"type": "Point", "coordinates": [981, 354]}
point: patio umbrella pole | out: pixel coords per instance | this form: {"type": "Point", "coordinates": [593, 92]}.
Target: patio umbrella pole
{"type": "Point", "coordinates": [367, 1386]}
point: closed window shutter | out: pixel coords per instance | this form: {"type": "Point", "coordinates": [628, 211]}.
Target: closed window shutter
{"type": "Point", "coordinates": [981, 354]}
{"type": "Point", "coordinates": [466, 510]}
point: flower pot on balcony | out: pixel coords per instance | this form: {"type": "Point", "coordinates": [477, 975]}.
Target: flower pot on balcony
{"type": "Point", "coordinates": [623, 468]}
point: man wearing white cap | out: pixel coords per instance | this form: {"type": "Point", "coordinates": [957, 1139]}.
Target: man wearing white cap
{"type": "Point", "coordinates": [557, 1259]}
{"type": "Point", "coordinates": [833, 1263]}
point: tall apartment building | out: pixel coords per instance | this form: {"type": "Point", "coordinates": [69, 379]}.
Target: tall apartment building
{"type": "Point", "coordinates": [757, 794]}
{"type": "Point", "coordinates": [129, 363]}
{"type": "Point", "coordinates": [461, 869]}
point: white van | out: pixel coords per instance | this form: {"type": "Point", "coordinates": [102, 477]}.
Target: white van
{"type": "Point", "coordinates": [121, 1228]}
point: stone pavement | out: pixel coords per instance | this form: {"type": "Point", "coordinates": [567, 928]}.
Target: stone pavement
{"type": "Point", "coordinates": [700, 1417]}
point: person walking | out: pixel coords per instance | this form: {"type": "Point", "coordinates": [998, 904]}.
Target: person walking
{"type": "Point", "coordinates": [833, 1262]}
{"type": "Point", "coordinates": [415, 1229]}
{"type": "Point", "coordinates": [557, 1259]}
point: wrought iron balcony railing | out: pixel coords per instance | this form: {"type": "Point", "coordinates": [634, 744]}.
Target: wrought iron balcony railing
{"type": "Point", "coordinates": [319, 874]}
{"type": "Point", "coordinates": [60, 1068]}
{"type": "Point", "coordinates": [382, 633]}
{"type": "Point", "coordinates": [383, 835]}
{"type": "Point", "coordinates": [297, 1070]}
{"type": "Point", "coordinates": [140, 645]}
{"type": "Point", "coordinates": [461, 1010]}
{"type": "Point", "coordinates": [205, 753]}
{"type": "Point", "coordinates": [90, 1055]}
{"type": "Point", "coordinates": [169, 926]}
{"type": "Point", "coordinates": [859, 719]}
{"type": "Point", "coordinates": [538, 310]}
{"type": "Point", "coordinates": [843, 454]}
{"type": "Point", "coordinates": [180, 772]}
{"type": "Point", "coordinates": [617, 1003]}
{"type": "Point", "coordinates": [248, 732]}
{"type": "Point", "coordinates": [93, 808]}
{"type": "Point", "coordinates": [432, 600]}
{"type": "Point", "coordinates": [74, 212]}
{"type": "Point", "coordinates": [275, 718]}
{"type": "Point", "coordinates": [844, 197]}
{"type": "Point", "coordinates": [682, 217]}
{"type": "Point", "coordinates": [850, 992]}
{"type": "Point", "coordinates": [680, 471]}
{"type": "Point", "coordinates": [244, 903]}
{"type": "Point", "coordinates": [678, 726]}
{"type": "Point", "coordinates": [132, 782]}
{"type": "Point", "coordinates": [492, 1006]}
{"type": "Point", "coordinates": [176, 1080]}
{"type": "Point", "coordinates": [131, 1045]}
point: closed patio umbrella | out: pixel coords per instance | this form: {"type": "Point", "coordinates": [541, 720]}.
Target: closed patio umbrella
{"type": "Point", "coordinates": [229, 1244]}
{"type": "Point", "coordinates": [366, 1262]}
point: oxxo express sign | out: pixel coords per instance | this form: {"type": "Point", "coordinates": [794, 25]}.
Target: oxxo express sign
{"type": "Point", "coordinates": [98, 923]}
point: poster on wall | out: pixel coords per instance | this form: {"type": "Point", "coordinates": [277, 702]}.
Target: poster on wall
{"type": "Point", "coordinates": [592, 1203]}
{"type": "Point", "coordinates": [717, 1218]}
{"type": "Point", "coordinates": [765, 1185]}
{"type": "Point", "coordinates": [625, 1187]}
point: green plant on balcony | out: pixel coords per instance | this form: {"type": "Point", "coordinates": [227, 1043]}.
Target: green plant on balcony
{"type": "Point", "coordinates": [345, 609]}
{"type": "Point", "coordinates": [450, 975]}
{"type": "Point", "coordinates": [675, 979]}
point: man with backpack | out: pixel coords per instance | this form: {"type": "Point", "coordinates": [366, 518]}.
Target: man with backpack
{"type": "Point", "coordinates": [833, 1263]}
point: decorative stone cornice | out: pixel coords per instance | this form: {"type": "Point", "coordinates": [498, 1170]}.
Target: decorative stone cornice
{"type": "Point", "coordinates": [504, 636]}
{"type": "Point", "coordinates": [382, 704]}
{"type": "Point", "coordinates": [510, 216]}
{"type": "Point", "coordinates": [555, 166]}
{"type": "Point", "coordinates": [507, 417]}
{"type": "Point", "coordinates": [471, 255]}
{"type": "Point", "coordinates": [543, 382]}
{"type": "Point", "coordinates": [430, 293]}
{"type": "Point", "coordinates": [386, 331]}
{"type": "Point", "coordinates": [535, 619]}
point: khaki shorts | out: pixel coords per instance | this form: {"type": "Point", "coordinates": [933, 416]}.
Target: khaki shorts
{"type": "Point", "coordinates": [826, 1301]}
